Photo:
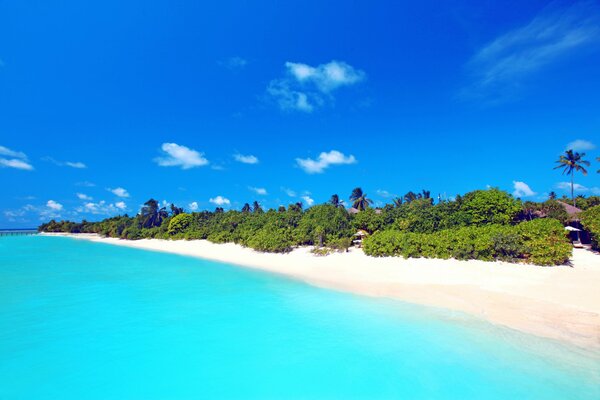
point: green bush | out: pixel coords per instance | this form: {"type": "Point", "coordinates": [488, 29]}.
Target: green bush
{"type": "Point", "coordinates": [545, 241]}
{"type": "Point", "coordinates": [590, 219]}
{"type": "Point", "coordinates": [180, 223]}
{"type": "Point", "coordinates": [271, 241]}
{"type": "Point", "coordinates": [541, 242]}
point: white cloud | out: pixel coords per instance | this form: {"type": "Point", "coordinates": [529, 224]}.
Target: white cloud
{"type": "Point", "coordinates": [325, 160]}
{"type": "Point", "coordinates": [5, 151]}
{"type": "Point", "coordinates": [121, 205]}
{"type": "Point", "coordinates": [498, 68]}
{"type": "Point", "coordinates": [53, 205]}
{"type": "Point", "coordinates": [119, 192]}
{"type": "Point", "coordinates": [14, 163]}
{"type": "Point", "coordinates": [75, 164]}
{"type": "Point", "coordinates": [249, 159]}
{"type": "Point", "coordinates": [220, 201]}
{"type": "Point", "coordinates": [78, 165]}
{"type": "Point", "coordinates": [580, 145]}
{"type": "Point", "coordinates": [83, 196]}
{"type": "Point", "coordinates": [289, 192]}
{"type": "Point", "coordinates": [18, 159]}
{"type": "Point", "coordinates": [85, 184]}
{"type": "Point", "coordinates": [193, 206]}
{"type": "Point", "coordinates": [326, 77]}
{"type": "Point", "coordinates": [385, 193]}
{"type": "Point", "coordinates": [306, 87]}
{"type": "Point", "coordinates": [578, 188]}
{"type": "Point", "coordinates": [260, 191]}
{"type": "Point", "coordinates": [522, 189]}
{"type": "Point", "coordinates": [180, 156]}
{"type": "Point", "coordinates": [308, 200]}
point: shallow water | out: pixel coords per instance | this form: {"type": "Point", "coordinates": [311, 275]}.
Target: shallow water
{"type": "Point", "coordinates": [82, 320]}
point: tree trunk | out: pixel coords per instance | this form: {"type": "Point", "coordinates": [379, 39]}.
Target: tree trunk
{"type": "Point", "coordinates": [572, 193]}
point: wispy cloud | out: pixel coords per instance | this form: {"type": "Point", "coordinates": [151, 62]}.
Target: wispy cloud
{"type": "Point", "coordinates": [578, 188]}
{"type": "Point", "coordinates": [193, 206]}
{"type": "Point", "coordinates": [85, 184]}
{"type": "Point", "coordinates": [246, 159]}
{"type": "Point", "coordinates": [324, 161]}
{"type": "Point", "coordinates": [498, 69]}
{"type": "Point", "coordinates": [121, 192]}
{"type": "Point", "coordinates": [176, 155]}
{"type": "Point", "coordinates": [289, 192]}
{"type": "Point", "coordinates": [14, 159]}
{"type": "Point", "coordinates": [82, 196]}
{"type": "Point", "coordinates": [72, 164]}
{"type": "Point", "coordinates": [306, 87]}
{"type": "Point", "coordinates": [102, 208]}
{"type": "Point", "coordinates": [259, 191]}
{"type": "Point", "coordinates": [385, 194]}
{"type": "Point", "coordinates": [234, 63]}
{"type": "Point", "coordinates": [580, 145]}
{"type": "Point", "coordinates": [521, 189]}
{"type": "Point", "coordinates": [220, 201]}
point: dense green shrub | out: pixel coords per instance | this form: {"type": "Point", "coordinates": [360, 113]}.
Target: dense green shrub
{"type": "Point", "coordinates": [541, 242]}
{"type": "Point", "coordinates": [180, 223]}
{"type": "Point", "coordinates": [491, 206]}
{"type": "Point", "coordinates": [545, 241]}
{"type": "Point", "coordinates": [271, 240]}
{"type": "Point", "coordinates": [590, 219]}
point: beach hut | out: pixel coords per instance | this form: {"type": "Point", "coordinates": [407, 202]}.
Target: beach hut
{"type": "Point", "coordinates": [576, 243]}
{"type": "Point", "coordinates": [360, 235]}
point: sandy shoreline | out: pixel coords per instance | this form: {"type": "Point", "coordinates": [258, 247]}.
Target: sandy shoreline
{"type": "Point", "coordinates": [561, 303]}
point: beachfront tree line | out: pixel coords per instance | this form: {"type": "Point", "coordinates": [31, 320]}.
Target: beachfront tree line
{"type": "Point", "coordinates": [484, 224]}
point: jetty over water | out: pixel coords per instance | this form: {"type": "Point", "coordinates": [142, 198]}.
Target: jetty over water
{"type": "Point", "coordinates": [18, 232]}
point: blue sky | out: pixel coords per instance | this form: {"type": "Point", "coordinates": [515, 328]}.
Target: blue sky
{"type": "Point", "coordinates": [105, 105]}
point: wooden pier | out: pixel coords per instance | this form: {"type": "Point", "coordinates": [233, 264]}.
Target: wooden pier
{"type": "Point", "coordinates": [18, 232]}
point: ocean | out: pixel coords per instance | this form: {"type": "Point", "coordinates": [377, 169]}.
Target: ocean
{"type": "Point", "coordinates": [83, 320]}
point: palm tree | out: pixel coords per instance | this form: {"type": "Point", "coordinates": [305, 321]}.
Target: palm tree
{"type": "Point", "coordinates": [176, 210]}
{"type": "Point", "coordinates": [360, 200]}
{"type": "Point", "coordinates": [552, 196]}
{"type": "Point", "coordinates": [335, 201]}
{"type": "Point", "coordinates": [398, 201]}
{"type": "Point", "coordinates": [598, 159]}
{"type": "Point", "coordinates": [152, 215]}
{"type": "Point", "coordinates": [426, 194]}
{"type": "Point", "coordinates": [410, 196]}
{"type": "Point", "coordinates": [246, 208]}
{"type": "Point", "coordinates": [256, 208]}
{"type": "Point", "coordinates": [219, 210]}
{"type": "Point", "coordinates": [570, 163]}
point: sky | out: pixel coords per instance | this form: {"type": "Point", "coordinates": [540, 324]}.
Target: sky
{"type": "Point", "coordinates": [104, 105]}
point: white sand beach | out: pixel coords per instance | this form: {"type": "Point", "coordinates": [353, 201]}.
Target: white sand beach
{"type": "Point", "coordinates": [561, 302]}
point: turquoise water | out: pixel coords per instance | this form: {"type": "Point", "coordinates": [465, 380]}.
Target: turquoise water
{"type": "Point", "coordinates": [82, 320]}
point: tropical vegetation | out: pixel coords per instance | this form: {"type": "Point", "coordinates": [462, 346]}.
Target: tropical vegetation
{"type": "Point", "coordinates": [484, 224]}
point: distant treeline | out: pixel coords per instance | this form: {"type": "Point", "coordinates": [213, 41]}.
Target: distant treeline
{"type": "Point", "coordinates": [484, 224]}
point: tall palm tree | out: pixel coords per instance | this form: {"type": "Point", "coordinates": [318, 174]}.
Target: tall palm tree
{"type": "Point", "coordinates": [335, 201]}
{"type": "Point", "coordinates": [256, 207]}
{"type": "Point", "coordinates": [598, 159]}
{"type": "Point", "coordinates": [426, 194]}
{"type": "Point", "coordinates": [552, 196]}
{"type": "Point", "coordinates": [398, 201]}
{"type": "Point", "coordinates": [572, 162]}
{"type": "Point", "coordinates": [152, 215]}
{"type": "Point", "coordinates": [246, 208]}
{"type": "Point", "coordinates": [360, 200]}
{"type": "Point", "coordinates": [410, 196]}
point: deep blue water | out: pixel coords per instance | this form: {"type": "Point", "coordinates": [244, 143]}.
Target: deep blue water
{"type": "Point", "coordinates": [82, 320]}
